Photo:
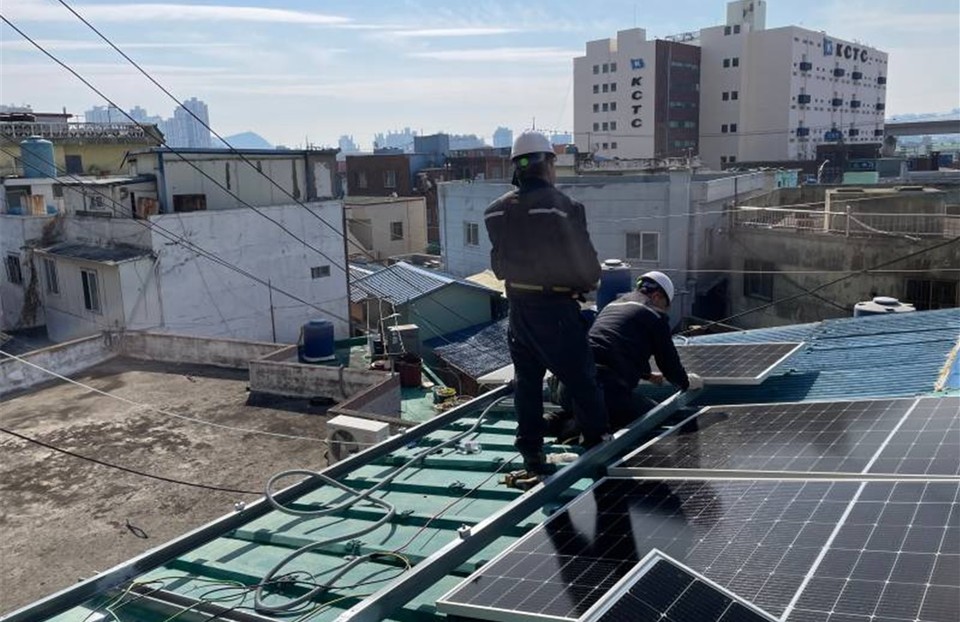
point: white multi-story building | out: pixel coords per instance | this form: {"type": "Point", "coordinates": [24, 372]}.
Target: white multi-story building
{"type": "Point", "coordinates": [636, 98]}
{"type": "Point", "coordinates": [775, 95]}
{"type": "Point", "coordinates": [732, 93]}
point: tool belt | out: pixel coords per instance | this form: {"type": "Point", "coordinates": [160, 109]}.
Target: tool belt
{"type": "Point", "coordinates": [526, 288]}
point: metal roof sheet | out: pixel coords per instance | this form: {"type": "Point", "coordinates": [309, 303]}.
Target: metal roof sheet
{"type": "Point", "coordinates": [99, 254]}
{"type": "Point", "coordinates": [403, 282]}
{"type": "Point", "coordinates": [449, 489]}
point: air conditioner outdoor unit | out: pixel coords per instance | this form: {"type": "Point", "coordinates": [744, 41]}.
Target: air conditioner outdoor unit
{"type": "Point", "coordinates": [349, 435]}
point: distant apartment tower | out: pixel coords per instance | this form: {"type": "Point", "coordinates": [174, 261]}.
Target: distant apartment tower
{"type": "Point", "coordinates": [105, 114]}
{"type": "Point", "coordinates": [636, 98]}
{"type": "Point", "coordinates": [347, 144]}
{"type": "Point", "coordinates": [190, 132]}
{"type": "Point", "coordinates": [503, 137]}
{"type": "Point", "coordinates": [775, 95]}
{"type": "Point", "coordinates": [732, 93]}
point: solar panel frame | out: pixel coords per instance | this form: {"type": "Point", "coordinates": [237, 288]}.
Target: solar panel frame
{"type": "Point", "coordinates": [601, 611]}
{"type": "Point", "coordinates": [766, 425]}
{"type": "Point", "coordinates": [692, 358]}
{"type": "Point", "coordinates": [821, 502]}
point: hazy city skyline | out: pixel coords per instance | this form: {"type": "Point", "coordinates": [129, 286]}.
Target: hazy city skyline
{"type": "Point", "coordinates": [293, 74]}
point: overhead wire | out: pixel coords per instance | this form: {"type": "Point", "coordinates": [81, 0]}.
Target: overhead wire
{"type": "Point", "coordinates": [118, 467]}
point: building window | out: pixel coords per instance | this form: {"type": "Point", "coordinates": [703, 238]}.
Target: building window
{"type": "Point", "coordinates": [471, 234]}
{"type": "Point", "coordinates": [14, 272]}
{"type": "Point", "coordinates": [643, 246]}
{"type": "Point", "coordinates": [596, 88]}
{"type": "Point", "coordinates": [605, 146]}
{"type": "Point", "coordinates": [606, 106]}
{"type": "Point", "coordinates": [732, 159]}
{"type": "Point", "coordinates": [596, 69]}
{"type": "Point", "coordinates": [734, 95]}
{"type": "Point", "coordinates": [74, 164]}
{"type": "Point", "coordinates": [735, 61]}
{"type": "Point", "coordinates": [736, 29]}
{"type": "Point", "coordinates": [928, 294]}
{"type": "Point", "coordinates": [613, 67]}
{"type": "Point", "coordinates": [725, 96]}
{"type": "Point", "coordinates": [723, 159]}
{"type": "Point", "coordinates": [726, 62]}
{"type": "Point", "coordinates": [50, 276]}
{"type": "Point", "coordinates": [727, 30]}
{"type": "Point", "coordinates": [361, 179]}
{"type": "Point", "coordinates": [596, 127]}
{"type": "Point", "coordinates": [613, 126]}
{"type": "Point", "coordinates": [606, 68]}
{"type": "Point", "coordinates": [613, 87]}
{"type": "Point", "coordinates": [183, 202]}
{"type": "Point", "coordinates": [606, 87]}
{"type": "Point", "coordinates": [613, 106]}
{"type": "Point", "coordinates": [319, 272]}
{"type": "Point", "coordinates": [396, 231]}
{"type": "Point", "coordinates": [758, 279]}
{"type": "Point", "coordinates": [613, 145]}
{"type": "Point", "coordinates": [723, 128]}
{"type": "Point", "coordinates": [389, 179]}
{"type": "Point", "coordinates": [596, 107]}
{"type": "Point", "coordinates": [733, 127]}
{"type": "Point", "coordinates": [91, 291]}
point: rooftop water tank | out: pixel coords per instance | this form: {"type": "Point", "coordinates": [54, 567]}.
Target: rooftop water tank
{"type": "Point", "coordinates": [881, 305]}
{"type": "Point", "coordinates": [36, 153]}
{"type": "Point", "coordinates": [316, 342]}
{"type": "Point", "coordinates": [615, 279]}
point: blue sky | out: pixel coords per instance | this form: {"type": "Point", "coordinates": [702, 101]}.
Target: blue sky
{"type": "Point", "coordinates": [295, 70]}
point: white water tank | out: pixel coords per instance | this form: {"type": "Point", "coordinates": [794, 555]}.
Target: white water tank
{"type": "Point", "coordinates": [881, 305]}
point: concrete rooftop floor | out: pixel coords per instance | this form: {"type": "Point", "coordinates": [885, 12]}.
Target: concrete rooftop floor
{"type": "Point", "coordinates": [65, 518]}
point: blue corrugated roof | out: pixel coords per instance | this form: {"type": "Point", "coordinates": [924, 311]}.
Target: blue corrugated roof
{"type": "Point", "coordinates": [475, 351]}
{"type": "Point", "coordinates": [403, 282]}
{"type": "Point", "coordinates": [876, 356]}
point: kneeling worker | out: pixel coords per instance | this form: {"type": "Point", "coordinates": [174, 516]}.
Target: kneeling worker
{"type": "Point", "coordinates": [626, 333]}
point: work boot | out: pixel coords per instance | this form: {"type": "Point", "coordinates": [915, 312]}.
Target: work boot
{"type": "Point", "coordinates": [536, 463]}
{"type": "Point", "coordinates": [590, 443]}
{"type": "Point", "coordinates": [561, 425]}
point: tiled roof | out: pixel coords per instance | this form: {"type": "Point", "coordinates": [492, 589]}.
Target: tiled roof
{"type": "Point", "coordinates": [403, 282]}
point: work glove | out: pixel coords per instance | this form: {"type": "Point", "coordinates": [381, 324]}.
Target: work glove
{"type": "Point", "coordinates": [696, 382]}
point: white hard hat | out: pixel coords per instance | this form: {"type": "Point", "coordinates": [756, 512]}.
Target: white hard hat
{"type": "Point", "coordinates": [661, 279]}
{"type": "Point", "coordinates": [530, 142]}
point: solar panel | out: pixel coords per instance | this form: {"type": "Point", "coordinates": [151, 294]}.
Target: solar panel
{"type": "Point", "coordinates": [663, 590]}
{"type": "Point", "coordinates": [756, 537]}
{"type": "Point", "coordinates": [896, 557]}
{"type": "Point", "coordinates": [804, 437]}
{"type": "Point", "coordinates": [928, 442]}
{"type": "Point", "coordinates": [734, 363]}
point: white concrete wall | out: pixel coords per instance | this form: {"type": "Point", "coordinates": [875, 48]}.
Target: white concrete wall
{"type": "Point", "coordinates": [140, 293]}
{"type": "Point", "coordinates": [64, 359]}
{"type": "Point", "coordinates": [15, 232]}
{"type": "Point", "coordinates": [67, 316]}
{"type": "Point", "coordinates": [634, 133]}
{"type": "Point", "coordinates": [107, 231]}
{"type": "Point", "coordinates": [238, 177]}
{"type": "Point", "coordinates": [168, 348]}
{"type": "Point", "coordinates": [371, 224]}
{"type": "Point", "coordinates": [200, 297]}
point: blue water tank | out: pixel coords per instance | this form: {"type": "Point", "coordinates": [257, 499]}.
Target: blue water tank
{"type": "Point", "coordinates": [615, 279]}
{"type": "Point", "coordinates": [316, 342]}
{"type": "Point", "coordinates": [36, 153]}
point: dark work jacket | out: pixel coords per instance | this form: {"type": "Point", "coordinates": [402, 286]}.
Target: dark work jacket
{"type": "Point", "coordinates": [539, 237]}
{"type": "Point", "coordinates": [627, 333]}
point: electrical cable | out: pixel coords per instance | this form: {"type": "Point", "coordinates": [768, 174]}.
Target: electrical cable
{"type": "Point", "coordinates": [825, 285]}
{"type": "Point", "coordinates": [357, 497]}
{"type": "Point", "coordinates": [126, 469]}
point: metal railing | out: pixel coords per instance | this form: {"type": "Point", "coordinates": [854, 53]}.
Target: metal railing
{"type": "Point", "coordinates": [849, 222]}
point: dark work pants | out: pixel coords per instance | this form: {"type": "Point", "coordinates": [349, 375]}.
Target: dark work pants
{"type": "Point", "coordinates": [623, 407]}
{"type": "Point", "coordinates": [546, 332]}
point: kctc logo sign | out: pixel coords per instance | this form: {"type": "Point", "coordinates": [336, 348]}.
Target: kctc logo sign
{"type": "Point", "coordinates": [843, 50]}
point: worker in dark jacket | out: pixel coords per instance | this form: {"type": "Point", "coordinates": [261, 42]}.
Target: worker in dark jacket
{"type": "Point", "coordinates": [625, 335]}
{"type": "Point", "coordinates": [542, 250]}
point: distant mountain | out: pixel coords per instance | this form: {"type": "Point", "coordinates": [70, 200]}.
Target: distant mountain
{"type": "Point", "coordinates": [244, 140]}
{"type": "Point", "coordinates": [927, 116]}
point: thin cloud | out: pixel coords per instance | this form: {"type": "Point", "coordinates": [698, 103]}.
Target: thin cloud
{"type": "Point", "coordinates": [30, 10]}
{"type": "Point", "coordinates": [455, 32]}
{"type": "Point", "coordinates": [533, 54]}
{"type": "Point", "coordinates": [65, 44]}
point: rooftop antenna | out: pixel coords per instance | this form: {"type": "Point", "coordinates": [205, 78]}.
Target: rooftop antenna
{"type": "Point", "coordinates": [534, 123]}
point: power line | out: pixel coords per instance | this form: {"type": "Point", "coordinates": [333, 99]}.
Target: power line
{"type": "Point", "coordinates": [127, 469]}
{"type": "Point", "coordinates": [882, 264]}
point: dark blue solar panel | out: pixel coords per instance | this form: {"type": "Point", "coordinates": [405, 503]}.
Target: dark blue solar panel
{"type": "Point", "coordinates": [928, 442]}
